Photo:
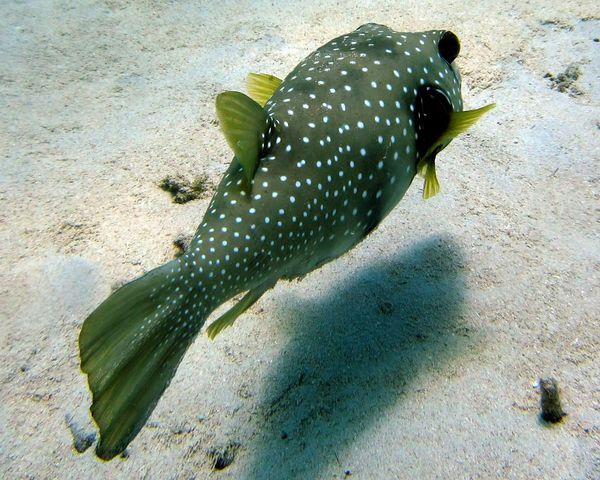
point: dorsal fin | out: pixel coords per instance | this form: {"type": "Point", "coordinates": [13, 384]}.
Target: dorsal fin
{"type": "Point", "coordinates": [245, 125]}
{"type": "Point", "coordinates": [261, 86]}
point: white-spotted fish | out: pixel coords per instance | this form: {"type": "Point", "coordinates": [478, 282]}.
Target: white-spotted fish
{"type": "Point", "coordinates": [320, 159]}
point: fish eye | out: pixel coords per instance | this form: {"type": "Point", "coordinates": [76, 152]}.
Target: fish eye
{"type": "Point", "coordinates": [449, 46]}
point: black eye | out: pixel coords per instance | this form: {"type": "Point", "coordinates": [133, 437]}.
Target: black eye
{"type": "Point", "coordinates": [449, 46]}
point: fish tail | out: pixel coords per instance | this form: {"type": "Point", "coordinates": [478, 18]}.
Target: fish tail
{"type": "Point", "coordinates": [130, 348]}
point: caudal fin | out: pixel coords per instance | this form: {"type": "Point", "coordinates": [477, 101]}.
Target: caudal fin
{"type": "Point", "coordinates": [130, 348]}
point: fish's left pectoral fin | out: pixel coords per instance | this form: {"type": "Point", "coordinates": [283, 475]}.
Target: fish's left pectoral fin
{"type": "Point", "coordinates": [229, 317]}
{"type": "Point", "coordinates": [431, 186]}
{"type": "Point", "coordinates": [261, 86]}
{"type": "Point", "coordinates": [245, 125]}
{"type": "Point", "coordinates": [460, 122]}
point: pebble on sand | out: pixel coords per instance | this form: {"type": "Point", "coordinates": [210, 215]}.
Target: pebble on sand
{"type": "Point", "coordinates": [550, 400]}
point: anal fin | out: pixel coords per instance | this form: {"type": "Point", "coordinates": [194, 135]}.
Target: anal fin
{"type": "Point", "coordinates": [229, 317]}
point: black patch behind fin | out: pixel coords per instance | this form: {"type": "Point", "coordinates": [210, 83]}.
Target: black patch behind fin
{"type": "Point", "coordinates": [432, 118]}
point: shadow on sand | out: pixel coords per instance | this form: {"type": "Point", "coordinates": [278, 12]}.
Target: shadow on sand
{"type": "Point", "coordinates": [352, 356]}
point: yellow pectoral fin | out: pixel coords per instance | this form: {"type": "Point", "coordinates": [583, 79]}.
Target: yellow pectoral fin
{"type": "Point", "coordinates": [245, 125]}
{"type": "Point", "coordinates": [261, 86]}
{"type": "Point", "coordinates": [431, 186]}
{"type": "Point", "coordinates": [460, 122]}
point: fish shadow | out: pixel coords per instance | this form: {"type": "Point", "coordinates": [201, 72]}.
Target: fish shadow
{"type": "Point", "coordinates": [352, 356]}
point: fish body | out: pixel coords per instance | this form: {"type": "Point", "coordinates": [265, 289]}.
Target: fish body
{"type": "Point", "coordinates": [332, 151]}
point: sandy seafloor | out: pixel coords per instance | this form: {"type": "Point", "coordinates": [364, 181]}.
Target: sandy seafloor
{"type": "Point", "coordinates": [412, 356]}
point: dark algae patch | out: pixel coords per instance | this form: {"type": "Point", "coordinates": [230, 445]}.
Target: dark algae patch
{"type": "Point", "coordinates": [182, 243]}
{"type": "Point", "coordinates": [182, 190]}
{"type": "Point", "coordinates": [565, 82]}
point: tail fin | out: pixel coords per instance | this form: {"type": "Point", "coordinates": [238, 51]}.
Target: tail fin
{"type": "Point", "coordinates": [130, 348]}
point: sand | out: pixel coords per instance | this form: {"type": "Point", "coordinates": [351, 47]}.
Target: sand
{"type": "Point", "coordinates": [413, 356]}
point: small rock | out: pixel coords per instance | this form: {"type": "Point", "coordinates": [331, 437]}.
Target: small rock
{"type": "Point", "coordinates": [222, 457]}
{"type": "Point", "coordinates": [82, 440]}
{"type": "Point", "coordinates": [183, 429]}
{"type": "Point", "coordinates": [386, 308]}
{"type": "Point", "coordinates": [550, 400]}
{"type": "Point", "coordinates": [118, 284]}
{"type": "Point", "coordinates": [182, 243]}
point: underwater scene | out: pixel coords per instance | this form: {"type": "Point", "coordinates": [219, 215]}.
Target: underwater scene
{"type": "Point", "coordinates": [327, 240]}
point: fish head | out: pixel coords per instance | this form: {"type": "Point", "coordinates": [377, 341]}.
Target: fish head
{"type": "Point", "coordinates": [438, 105]}
{"type": "Point", "coordinates": [426, 74]}
{"type": "Point", "coordinates": [438, 94]}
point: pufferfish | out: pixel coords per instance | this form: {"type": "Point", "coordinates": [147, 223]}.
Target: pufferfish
{"type": "Point", "coordinates": [320, 159]}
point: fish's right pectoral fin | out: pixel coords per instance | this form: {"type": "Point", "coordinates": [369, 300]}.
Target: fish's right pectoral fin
{"type": "Point", "coordinates": [261, 86]}
{"type": "Point", "coordinates": [460, 122]}
{"type": "Point", "coordinates": [229, 317]}
{"type": "Point", "coordinates": [245, 125]}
